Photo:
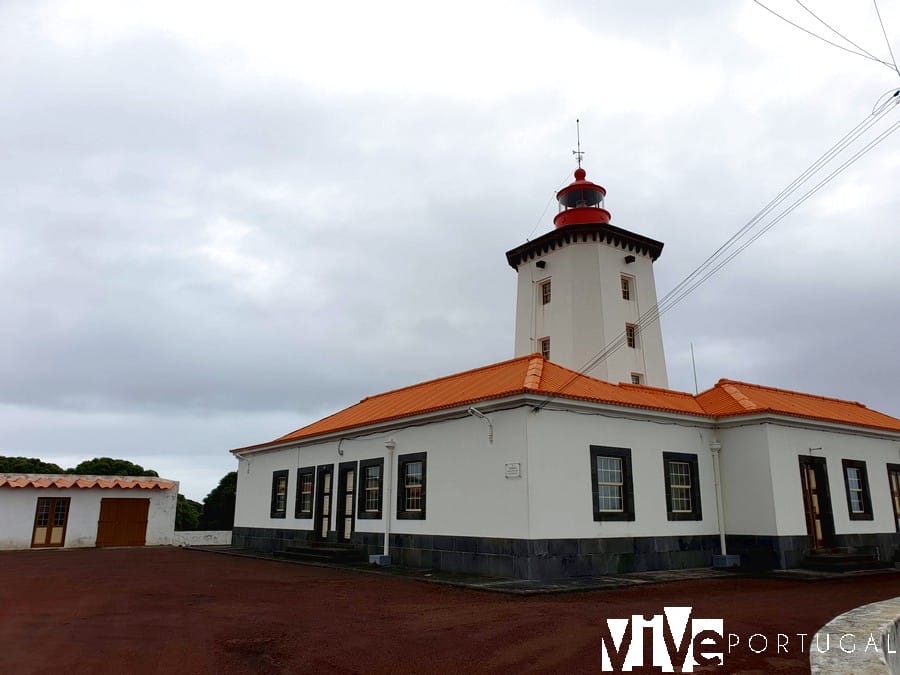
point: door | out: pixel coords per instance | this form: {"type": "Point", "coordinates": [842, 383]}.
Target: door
{"type": "Point", "coordinates": [816, 501]}
{"type": "Point", "coordinates": [50, 519]}
{"type": "Point", "coordinates": [346, 500]}
{"type": "Point", "coordinates": [323, 502]}
{"type": "Point", "coordinates": [894, 479]}
{"type": "Point", "coordinates": [123, 522]}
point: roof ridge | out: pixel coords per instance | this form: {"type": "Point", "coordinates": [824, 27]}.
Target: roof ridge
{"type": "Point", "coordinates": [790, 391]}
{"type": "Point", "coordinates": [740, 397]}
{"type": "Point", "coordinates": [535, 372]}
{"type": "Point", "coordinates": [661, 390]}
{"type": "Point", "coordinates": [453, 376]}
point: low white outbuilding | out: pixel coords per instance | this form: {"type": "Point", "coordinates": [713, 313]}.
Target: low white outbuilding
{"type": "Point", "coordinates": [72, 511]}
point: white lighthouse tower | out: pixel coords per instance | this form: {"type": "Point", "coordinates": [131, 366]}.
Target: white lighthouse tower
{"type": "Point", "coordinates": [584, 286]}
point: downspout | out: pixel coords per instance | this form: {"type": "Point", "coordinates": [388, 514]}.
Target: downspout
{"type": "Point", "coordinates": [716, 447]}
{"type": "Point", "coordinates": [390, 444]}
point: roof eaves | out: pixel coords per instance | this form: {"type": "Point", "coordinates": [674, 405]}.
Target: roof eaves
{"type": "Point", "coordinates": [306, 438]}
{"type": "Point", "coordinates": [772, 414]}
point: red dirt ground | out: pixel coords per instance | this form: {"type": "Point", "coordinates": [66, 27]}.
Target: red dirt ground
{"type": "Point", "coordinates": [178, 611]}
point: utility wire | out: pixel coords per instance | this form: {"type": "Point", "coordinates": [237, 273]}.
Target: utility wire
{"type": "Point", "coordinates": [816, 35]}
{"type": "Point", "coordinates": [649, 315]}
{"type": "Point", "coordinates": [840, 35]}
{"type": "Point", "coordinates": [683, 289]}
{"type": "Point", "coordinates": [712, 265]}
{"type": "Point", "coordinates": [890, 49]}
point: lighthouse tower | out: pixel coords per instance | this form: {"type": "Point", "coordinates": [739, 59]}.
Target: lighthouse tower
{"type": "Point", "coordinates": [583, 288]}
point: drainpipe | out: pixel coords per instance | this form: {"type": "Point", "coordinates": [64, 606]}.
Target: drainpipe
{"type": "Point", "coordinates": [716, 448]}
{"type": "Point", "coordinates": [390, 444]}
{"type": "Point", "coordinates": [480, 415]}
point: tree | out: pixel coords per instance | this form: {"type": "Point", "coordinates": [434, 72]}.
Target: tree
{"type": "Point", "coordinates": [106, 466]}
{"type": "Point", "coordinates": [27, 465]}
{"type": "Point", "coordinates": [218, 506]}
{"type": "Point", "coordinates": [187, 513]}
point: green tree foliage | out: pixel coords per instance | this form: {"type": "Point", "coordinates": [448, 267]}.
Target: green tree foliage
{"type": "Point", "coordinates": [27, 465]}
{"type": "Point", "coordinates": [187, 513]}
{"type": "Point", "coordinates": [218, 506]}
{"type": "Point", "coordinates": [106, 466]}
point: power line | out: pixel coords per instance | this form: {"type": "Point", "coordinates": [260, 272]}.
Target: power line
{"type": "Point", "coordinates": [713, 264]}
{"type": "Point", "coordinates": [655, 311]}
{"type": "Point", "coordinates": [819, 37]}
{"type": "Point", "coordinates": [833, 30]}
{"type": "Point", "coordinates": [890, 49]}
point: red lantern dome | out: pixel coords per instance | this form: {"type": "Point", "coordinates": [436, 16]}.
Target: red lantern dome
{"type": "Point", "coordinates": [581, 202]}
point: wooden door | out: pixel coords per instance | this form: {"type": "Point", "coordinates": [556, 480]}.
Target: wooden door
{"type": "Point", "coordinates": [346, 500]}
{"type": "Point", "coordinates": [50, 519]}
{"type": "Point", "coordinates": [894, 479]}
{"type": "Point", "coordinates": [323, 502]}
{"type": "Point", "coordinates": [123, 522]}
{"type": "Point", "coordinates": [816, 501]}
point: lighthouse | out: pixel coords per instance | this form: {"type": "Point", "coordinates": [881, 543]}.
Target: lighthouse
{"type": "Point", "coordinates": [585, 290]}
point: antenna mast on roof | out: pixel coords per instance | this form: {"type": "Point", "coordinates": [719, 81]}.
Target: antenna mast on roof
{"type": "Point", "coordinates": [578, 153]}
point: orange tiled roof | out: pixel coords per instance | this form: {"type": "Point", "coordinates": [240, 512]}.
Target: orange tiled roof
{"type": "Point", "coordinates": [729, 398]}
{"type": "Point", "coordinates": [535, 375]}
{"type": "Point", "coordinates": [527, 374]}
{"type": "Point", "coordinates": [39, 480]}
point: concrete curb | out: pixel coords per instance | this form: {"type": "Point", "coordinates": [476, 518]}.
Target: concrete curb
{"type": "Point", "coordinates": [863, 641]}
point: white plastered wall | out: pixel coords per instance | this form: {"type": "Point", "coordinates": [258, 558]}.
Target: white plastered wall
{"type": "Point", "coordinates": [17, 510]}
{"type": "Point", "coordinates": [788, 443]}
{"type": "Point", "coordinates": [561, 491]}
{"type": "Point", "coordinates": [747, 480]}
{"type": "Point", "coordinates": [467, 493]}
{"type": "Point", "coordinates": [587, 312]}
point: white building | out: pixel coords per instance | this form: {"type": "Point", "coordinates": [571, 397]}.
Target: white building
{"type": "Point", "coordinates": [72, 511]}
{"type": "Point", "coordinates": [530, 468]}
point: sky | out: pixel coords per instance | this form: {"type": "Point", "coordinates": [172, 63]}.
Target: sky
{"type": "Point", "coordinates": [221, 221]}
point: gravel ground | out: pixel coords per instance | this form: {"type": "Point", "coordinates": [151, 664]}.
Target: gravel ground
{"type": "Point", "coordinates": [168, 610]}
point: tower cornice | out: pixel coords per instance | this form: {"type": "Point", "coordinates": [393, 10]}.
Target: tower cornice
{"type": "Point", "coordinates": [584, 232]}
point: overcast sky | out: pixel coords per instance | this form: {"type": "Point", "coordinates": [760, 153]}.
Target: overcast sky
{"type": "Point", "coordinates": [221, 221]}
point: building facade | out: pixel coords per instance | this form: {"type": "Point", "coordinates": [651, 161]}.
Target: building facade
{"type": "Point", "coordinates": [574, 458]}
{"type": "Point", "coordinates": [601, 479]}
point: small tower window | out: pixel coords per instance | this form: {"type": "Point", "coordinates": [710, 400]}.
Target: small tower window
{"type": "Point", "coordinates": [545, 292]}
{"type": "Point", "coordinates": [636, 378]}
{"type": "Point", "coordinates": [545, 348]}
{"type": "Point", "coordinates": [631, 335]}
{"type": "Point", "coordinates": [626, 288]}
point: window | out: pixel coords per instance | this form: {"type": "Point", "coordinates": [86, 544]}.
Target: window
{"type": "Point", "coordinates": [682, 478]}
{"type": "Point", "coordinates": [545, 348]}
{"type": "Point", "coordinates": [626, 288]}
{"type": "Point", "coordinates": [371, 472]}
{"type": "Point", "coordinates": [636, 378]}
{"type": "Point", "coordinates": [856, 483]}
{"type": "Point", "coordinates": [631, 335]}
{"type": "Point", "coordinates": [279, 494]}
{"type": "Point", "coordinates": [411, 471]}
{"type": "Point", "coordinates": [545, 292]}
{"type": "Point", "coordinates": [306, 480]}
{"type": "Point", "coordinates": [611, 483]}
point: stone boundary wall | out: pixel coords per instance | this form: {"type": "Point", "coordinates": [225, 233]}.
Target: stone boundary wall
{"type": "Point", "coordinates": [863, 641]}
{"type": "Point", "coordinates": [202, 538]}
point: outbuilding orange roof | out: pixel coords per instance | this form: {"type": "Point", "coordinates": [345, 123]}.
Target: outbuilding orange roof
{"type": "Point", "coordinates": [44, 480]}
{"type": "Point", "coordinates": [535, 375]}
